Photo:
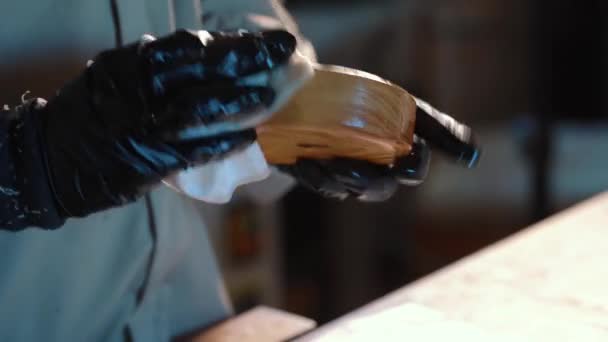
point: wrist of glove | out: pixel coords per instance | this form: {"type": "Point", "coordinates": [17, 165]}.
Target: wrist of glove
{"type": "Point", "coordinates": [114, 132]}
{"type": "Point", "coordinates": [27, 199]}
{"type": "Point", "coordinates": [368, 182]}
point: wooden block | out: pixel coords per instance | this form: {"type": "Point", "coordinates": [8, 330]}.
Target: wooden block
{"type": "Point", "coordinates": [260, 324]}
{"type": "Point", "coordinates": [341, 112]}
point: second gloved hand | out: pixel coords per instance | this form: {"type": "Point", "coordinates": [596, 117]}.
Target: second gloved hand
{"type": "Point", "coordinates": [114, 132]}
{"type": "Point", "coordinates": [365, 181]}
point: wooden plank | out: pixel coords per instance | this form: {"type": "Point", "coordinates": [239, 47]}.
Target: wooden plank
{"type": "Point", "coordinates": [260, 324]}
{"type": "Point", "coordinates": [547, 283]}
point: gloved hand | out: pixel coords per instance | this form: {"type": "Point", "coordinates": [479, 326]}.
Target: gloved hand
{"type": "Point", "coordinates": [365, 181]}
{"type": "Point", "coordinates": [113, 133]}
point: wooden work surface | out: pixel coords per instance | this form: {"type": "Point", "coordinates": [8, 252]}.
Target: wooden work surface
{"type": "Point", "coordinates": [547, 283]}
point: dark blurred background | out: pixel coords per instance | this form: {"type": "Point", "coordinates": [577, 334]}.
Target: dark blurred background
{"type": "Point", "coordinates": [530, 77]}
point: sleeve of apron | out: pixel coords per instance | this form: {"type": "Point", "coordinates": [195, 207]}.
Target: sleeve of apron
{"type": "Point", "coordinates": [26, 198]}
{"type": "Point", "coordinates": [253, 15]}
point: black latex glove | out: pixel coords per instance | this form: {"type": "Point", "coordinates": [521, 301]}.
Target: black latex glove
{"type": "Point", "coordinates": [113, 133]}
{"type": "Point", "coordinates": [343, 178]}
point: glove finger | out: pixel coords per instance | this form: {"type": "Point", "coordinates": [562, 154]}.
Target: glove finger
{"type": "Point", "coordinates": [313, 176]}
{"type": "Point", "coordinates": [450, 137]}
{"type": "Point", "coordinates": [187, 58]}
{"type": "Point", "coordinates": [207, 111]}
{"type": "Point", "coordinates": [342, 178]}
{"type": "Point", "coordinates": [144, 161]}
{"type": "Point", "coordinates": [412, 169]}
{"type": "Point", "coordinates": [195, 152]}
{"type": "Point", "coordinates": [243, 53]}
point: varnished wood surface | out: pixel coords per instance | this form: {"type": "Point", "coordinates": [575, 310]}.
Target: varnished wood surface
{"type": "Point", "coordinates": [341, 112]}
{"type": "Point", "coordinates": [547, 283]}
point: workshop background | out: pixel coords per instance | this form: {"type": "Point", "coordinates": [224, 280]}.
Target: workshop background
{"type": "Point", "coordinates": [529, 76]}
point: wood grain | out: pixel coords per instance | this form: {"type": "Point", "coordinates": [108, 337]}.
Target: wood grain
{"type": "Point", "coordinates": [341, 112]}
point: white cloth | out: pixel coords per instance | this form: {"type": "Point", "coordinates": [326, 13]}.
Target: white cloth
{"type": "Point", "coordinates": [217, 181]}
{"type": "Point", "coordinates": [80, 283]}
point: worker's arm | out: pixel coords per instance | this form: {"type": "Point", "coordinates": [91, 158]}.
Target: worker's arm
{"type": "Point", "coordinates": [26, 198]}
{"type": "Point", "coordinates": [114, 132]}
